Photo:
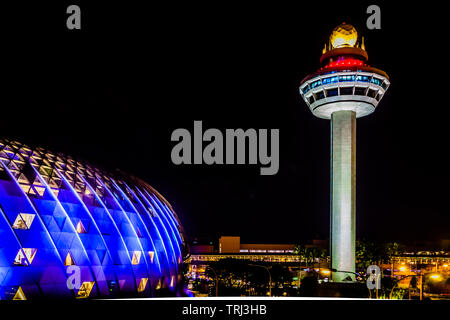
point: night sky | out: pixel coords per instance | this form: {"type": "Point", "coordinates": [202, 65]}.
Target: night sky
{"type": "Point", "coordinates": [113, 93]}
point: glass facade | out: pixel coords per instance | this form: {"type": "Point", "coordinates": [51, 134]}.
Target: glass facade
{"type": "Point", "coordinates": [343, 78]}
{"type": "Point", "coordinates": [70, 230]}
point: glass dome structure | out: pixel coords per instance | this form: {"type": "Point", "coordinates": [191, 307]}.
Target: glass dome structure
{"type": "Point", "coordinates": [70, 230]}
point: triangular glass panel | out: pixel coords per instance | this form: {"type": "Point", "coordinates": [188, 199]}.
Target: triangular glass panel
{"type": "Point", "coordinates": [25, 256]}
{"type": "Point", "coordinates": [19, 295]}
{"type": "Point", "coordinates": [136, 257]}
{"type": "Point", "coordinates": [23, 221]}
{"type": "Point", "coordinates": [69, 260]}
{"type": "Point", "coordinates": [80, 227]}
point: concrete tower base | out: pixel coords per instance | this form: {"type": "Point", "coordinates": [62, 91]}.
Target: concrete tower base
{"type": "Point", "coordinates": [343, 192]}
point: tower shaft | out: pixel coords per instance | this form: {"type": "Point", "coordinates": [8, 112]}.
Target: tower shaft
{"type": "Point", "coordinates": [343, 193]}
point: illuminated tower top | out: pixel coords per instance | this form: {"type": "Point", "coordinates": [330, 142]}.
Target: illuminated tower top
{"type": "Point", "coordinates": [344, 81]}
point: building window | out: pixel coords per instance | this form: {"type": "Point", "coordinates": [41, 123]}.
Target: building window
{"type": "Point", "coordinates": [346, 78]}
{"type": "Point", "coordinates": [136, 257]}
{"type": "Point", "coordinates": [142, 284]}
{"type": "Point", "coordinates": [330, 80]}
{"type": "Point", "coordinates": [305, 89]}
{"type": "Point", "coordinates": [332, 92]}
{"type": "Point", "coordinates": [85, 289]}
{"type": "Point", "coordinates": [320, 95]}
{"type": "Point", "coordinates": [371, 93]}
{"type": "Point", "coordinates": [80, 227]}
{"type": "Point", "coordinates": [316, 84]}
{"type": "Point", "coordinates": [376, 81]}
{"type": "Point", "coordinates": [360, 91]}
{"type": "Point", "coordinates": [362, 78]}
{"type": "Point", "coordinates": [152, 255]}
{"type": "Point", "coordinates": [346, 91]}
{"type": "Point", "coordinates": [25, 256]}
{"type": "Point", "coordinates": [23, 221]}
{"type": "Point", "coordinates": [19, 295]}
{"type": "Point", "coordinates": [69, 260]}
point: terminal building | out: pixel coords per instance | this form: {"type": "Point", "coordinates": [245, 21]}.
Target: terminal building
{"type": "Point", "coordinates": [414, 259]}
{"type": "Point", "coordinates": [201, 255]}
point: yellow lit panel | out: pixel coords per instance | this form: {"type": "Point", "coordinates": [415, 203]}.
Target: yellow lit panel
{"type": "Point", "coordinates": [25, 256]}
{"type": "Point", "coordinates": [19, 295]}
{"type": "Point", "coordinates": [142, 284]}
{"type": "Point", "coordinates": [85, 289]}
{"type": "Point", "coordinates": [136, 257]}
{"type": "Point", "coordinates": [69, 260]}
{"type": "Point", "coordinates": [80, 227]}
{"type": "Point", "coordinates": [152, 255]}
{"type": "Point", "coordinates": [23, 221]}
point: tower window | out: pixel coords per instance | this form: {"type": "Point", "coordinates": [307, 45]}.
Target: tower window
{"type": "Point", "coordinates": [346, 91]}
{"type": "Point", "coordinates": [332, 92]}
{"type": "Point", "coordinates": [371, 93]}
{"type": "Point", "coordinates": [376, 81]}
{"type": "Point", "coordinates": [330, 80]}
{"type": "Point", "coordinates": [305, 89]}
{"type": "Point", "coordinates": [346, 78]}
{"type": "Point", "coordinates": [320, 95]}
{"type": "Point", "coordinates": [316, 84]}
{"type": "Point", "coordinates": [360, 91]}
{"type": "Point", "coordinates": [362, 78]}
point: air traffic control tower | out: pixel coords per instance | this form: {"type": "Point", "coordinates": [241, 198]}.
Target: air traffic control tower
{"type": "Point", "coordinates": [343, 89]}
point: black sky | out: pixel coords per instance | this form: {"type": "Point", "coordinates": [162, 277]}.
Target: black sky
{"type": "Point", "coordinates": [113, 93]}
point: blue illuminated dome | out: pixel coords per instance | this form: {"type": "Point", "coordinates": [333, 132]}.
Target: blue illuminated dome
{"type": "Point", "coordinates": [70, 230]}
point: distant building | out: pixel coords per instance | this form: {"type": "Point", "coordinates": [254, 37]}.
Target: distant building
{"type": "Point", "coordinates": [201, 255]}
{"type": "Point", "coordinates": [233, 245]}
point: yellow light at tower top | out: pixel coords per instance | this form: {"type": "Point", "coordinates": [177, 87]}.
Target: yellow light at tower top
{"type": "Point", "coordinates": [344, 35]}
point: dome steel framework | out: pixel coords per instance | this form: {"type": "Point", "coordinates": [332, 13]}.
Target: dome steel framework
{"type": "Point", "coordinates": [70, 230]}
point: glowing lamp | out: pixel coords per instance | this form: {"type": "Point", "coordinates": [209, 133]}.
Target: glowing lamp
{"type": "Point", "coordinates": [435, 276]}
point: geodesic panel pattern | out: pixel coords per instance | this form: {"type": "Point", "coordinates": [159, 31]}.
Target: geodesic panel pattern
{"type": "Point", "coordinates": [70, 230]}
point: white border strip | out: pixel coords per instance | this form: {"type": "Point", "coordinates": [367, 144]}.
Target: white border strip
{"type": "Point", "coordinates": [241, 298]}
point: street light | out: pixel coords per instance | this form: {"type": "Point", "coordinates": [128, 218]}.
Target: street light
{"type": "Point", "coordinates": [270, 277]}
{"type": "Point", "coordinates": [435, 276]}
{"type": "Point", "coordinates": [217, 280]}
{"type": "Point", "coordinates": [334, 270]}
{"type": "Point", "coordinates": [327, 272]}
{"type": "Point", "coordinates": [421, 283]}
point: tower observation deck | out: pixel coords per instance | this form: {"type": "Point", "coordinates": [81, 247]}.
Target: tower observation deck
{"type": "Point", "coordinates": [343, 89]}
